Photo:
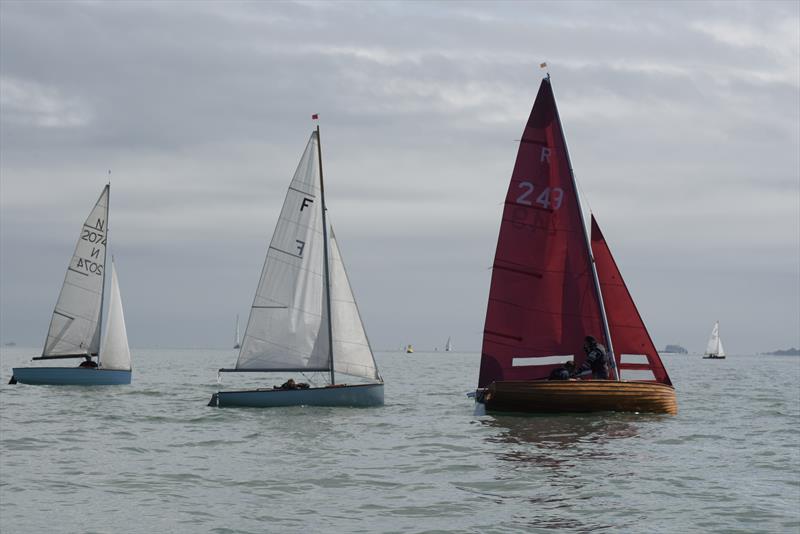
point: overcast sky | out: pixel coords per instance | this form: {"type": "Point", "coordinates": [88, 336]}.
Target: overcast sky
{"type": "Point", "coordinates": [683, 123]}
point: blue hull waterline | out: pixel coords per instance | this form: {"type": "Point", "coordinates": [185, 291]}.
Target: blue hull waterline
{"type": "Point", "coordinates": [362, 395]}
{"type": "Point", "coordinates": [71, 376]}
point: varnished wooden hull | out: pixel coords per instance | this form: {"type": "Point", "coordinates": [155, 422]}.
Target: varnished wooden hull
{"type": "Point", "coordinates": [565, 396]}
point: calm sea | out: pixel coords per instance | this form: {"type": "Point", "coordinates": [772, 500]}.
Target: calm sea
{"type": "Point", "coordinates": [152, 457]}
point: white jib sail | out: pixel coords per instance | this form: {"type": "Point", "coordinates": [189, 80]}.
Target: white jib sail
{"type": "Point", "coordinates": [115, 354]}
{"type": "Point", "coordinates": [288, 327]}
{"type": "Point", "coordinates": [714, 343]}
{"type": "Point", "coordinates": [75, 324]}
{"type": "Point", "coordinates": [352, 354]}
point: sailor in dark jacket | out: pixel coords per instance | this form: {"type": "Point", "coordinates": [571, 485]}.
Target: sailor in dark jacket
{"type": "Point", "coordinates": [596, 363]}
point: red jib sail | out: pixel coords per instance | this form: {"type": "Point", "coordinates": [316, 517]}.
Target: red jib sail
{"type": "Point", "coordinates": [628, 332]}
{"type": "Point", "coordinates": [542, 300]}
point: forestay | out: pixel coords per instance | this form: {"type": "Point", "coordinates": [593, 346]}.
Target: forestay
{"type": "Point", "coordinates": [542, 300]}
{"type": "Point", "coordinates": [352, 353]}
{"type": "Point", "coordinates": [115, 354]}
{"type": "Point", "coordinates": [287, 327]}
{"type": "Point", "coordinates": [628, 330]}
{"type": "Point", "coordinates": [75, 324]}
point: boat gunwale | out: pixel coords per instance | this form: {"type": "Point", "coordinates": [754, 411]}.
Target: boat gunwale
{"type": "Point", "coordinates": [321, 388]}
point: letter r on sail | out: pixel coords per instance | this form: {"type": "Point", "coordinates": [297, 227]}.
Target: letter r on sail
{"type": "Point", "coordinates": [545, 155]}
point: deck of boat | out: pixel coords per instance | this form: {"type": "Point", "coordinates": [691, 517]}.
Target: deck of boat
{"type": "Point", "coordinates": [565, 396]}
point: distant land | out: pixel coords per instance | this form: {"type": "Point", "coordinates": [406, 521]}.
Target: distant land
{"type": "Point", "coordinates": [675, 349]}
{"type": "Point", "coordinates": [788, 352]}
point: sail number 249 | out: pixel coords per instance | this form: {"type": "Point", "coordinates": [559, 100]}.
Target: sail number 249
{"type": "Point", "coordinates": [548, 198]}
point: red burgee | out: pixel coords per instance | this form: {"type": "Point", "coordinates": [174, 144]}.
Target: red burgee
{"type": "Point", "coordinates": [542, 300]}
{"type": "Point", "coordinates": [628, 331]}
{"type": "Point", "coordinates": [315, 116]}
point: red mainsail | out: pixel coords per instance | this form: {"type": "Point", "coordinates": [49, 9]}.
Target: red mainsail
{"type": "Point", "coordinates": [627, 329]}
{"type": "Point", "coordinates": [543, 300]}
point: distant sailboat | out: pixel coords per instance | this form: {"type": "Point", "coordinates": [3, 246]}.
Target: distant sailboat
{"type": "Point", "coordinates": [714, 350]}
{"type": "Point", "coordinates": [550, 288]}
{"type": "Point", "coordinates": [76, 324]}
{"type": "Point", "coordinates": [448, 347]}
{"type": "Point", "coordinates": [304, 317]}
{"type": "Point", "coordinates": [236, 339]}
{"type": "Point", "coordinates": [409, 349]}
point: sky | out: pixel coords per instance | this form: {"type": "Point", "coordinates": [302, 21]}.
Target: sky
{"type": "Point", "coordinates": [682, 119]}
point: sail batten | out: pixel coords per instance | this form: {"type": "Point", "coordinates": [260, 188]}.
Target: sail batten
{"type": "Point", "coordinates": [75, 323]}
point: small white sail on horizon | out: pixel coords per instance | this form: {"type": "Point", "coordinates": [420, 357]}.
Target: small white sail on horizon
{"type": "Point", "coordinates": [448, 347]}
{"type": "Point", "coordinates": [714, 347]}
{"type": "Point", "coordinates": [75, 324]}
{"type": "Point", "coordinates": [115, 353]}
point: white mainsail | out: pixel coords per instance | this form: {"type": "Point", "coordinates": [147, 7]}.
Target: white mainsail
{"type": "Point", "coordinates": [352, 354]}
{"type": "Point", "coordinates": [448, 346]}
{"type": "Point", "coordinates": [115, 354]}
{"type": "Point", "coordinates": [288, 326]}
{"type": "Point", "coordinates": [714, 347]}
{"type": "Point", "coordinates": [75, 324]}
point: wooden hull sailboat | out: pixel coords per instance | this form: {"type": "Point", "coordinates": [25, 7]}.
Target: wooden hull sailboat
{"type": "Point", "coordinates": [76, 325]}
{"type": "Point", "coordinates": [574, 396]}
{"type": "Point", "coordinates": [304, 318]}
{"type": "Point", "coordinates": [552, 287]}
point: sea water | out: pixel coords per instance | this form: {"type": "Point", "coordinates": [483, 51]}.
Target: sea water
{"type": "Point", "coordinates": [152, 457]}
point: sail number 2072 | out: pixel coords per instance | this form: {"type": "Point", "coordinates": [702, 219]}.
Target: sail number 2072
{"type": "Point", "coordinates": [548, 198]}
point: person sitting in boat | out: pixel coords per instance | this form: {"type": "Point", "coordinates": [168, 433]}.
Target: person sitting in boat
{"type": "Point", "coordinates": [596, 363]}
{"type": "Point", "coordinates": [291, 384]}
{"type": "Point", "coordinates": [88, 362]}
{"type": "Point", "coordinates": [565, 372]}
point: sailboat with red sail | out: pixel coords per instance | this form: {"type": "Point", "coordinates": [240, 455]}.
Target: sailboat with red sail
{"type": "Point", "coordinates": [552, 286]}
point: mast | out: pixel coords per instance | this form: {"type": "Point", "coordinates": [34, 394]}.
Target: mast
{"type": "Point", "coordinates": [595, 279]}
{"type": "Point", "coordinates": [105, 256]}
{"type": "Point", "coordinates": [326, 266]}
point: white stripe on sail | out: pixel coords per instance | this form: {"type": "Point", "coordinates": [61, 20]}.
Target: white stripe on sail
{"type": "Point", "coordinates": [287, 327]}
{"type": "Point", "coordinates": [75, 325]}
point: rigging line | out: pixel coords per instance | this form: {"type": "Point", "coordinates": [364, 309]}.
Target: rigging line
{"type": "Point", "coordinates": [583, 195]}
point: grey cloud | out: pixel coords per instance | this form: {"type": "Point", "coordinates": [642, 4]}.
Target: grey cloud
{"type": "Point", "coordinates": [682, 122]}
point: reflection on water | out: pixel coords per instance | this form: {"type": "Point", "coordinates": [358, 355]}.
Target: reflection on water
{"type": "Point", "coordinates": [559, 441]}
